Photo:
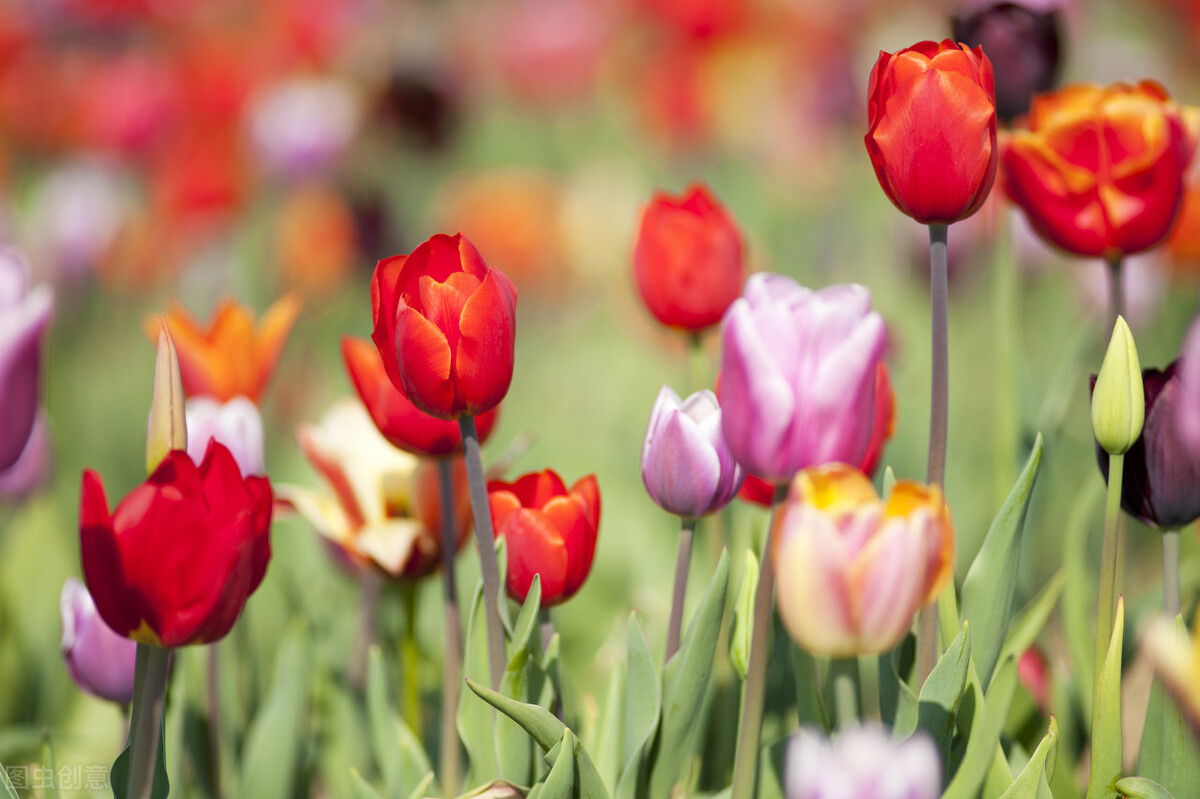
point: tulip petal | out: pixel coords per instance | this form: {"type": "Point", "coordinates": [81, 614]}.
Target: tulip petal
{"type": "Point", "coordinates": [568, 515]}
{"type": "Point", "coordinates": [21, 331]}
{"type": "Point", "coordinates": [390, 545]}
{"type": "Point", "coordinates": [426, 377]}
{"type": "Point", "coordinates": [887, 579]}
{"type": "Point", "coordinates": [484, 353]}
{"type": "Point", "coordinates": [681, 470]}
{"type": "Point", "coordinates": [535, 547]}
{"type": "Point", "coordinates": [102, 565]}
{"type": "Point", "coordinates": [812, 587]}
{"type": "Point", "coordinates": [385, 301]}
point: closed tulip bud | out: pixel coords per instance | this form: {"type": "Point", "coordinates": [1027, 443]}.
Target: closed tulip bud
{"type": "Point", "coordinates": [798, 375]}
{"type": "Point", "coordinates": [862, 763]}
{"type": "Point", "coordinates": [854, 569]}
{"type": "Point", "coordinates": [24, 317]}
{"type": "Point", "coordinates": [1100, 171]}
{"type": "Point", "coordinates": [1118, 402]}
{"type": "Point", "coordinates": [445, 327]}
{"type": "Point", "coordinates": [99, 660]}
{"type": "Point", "coordinates": [688, 262]}
{"type": "Point", "coordinates": [686, 465]}
{"type": "Point", "coordinates": [548, 530]}
{"type": "Point", "coordinates": [237, 424]}
{"type": "Point", "coordinates": [932, 136]}
{"type": "Point", "coordinates": [167, 428]}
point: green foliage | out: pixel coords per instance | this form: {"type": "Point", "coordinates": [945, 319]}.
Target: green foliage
{"type": "Point", "coordinates": [937, 707]}
{"type": "Point", "coordinates": [401, 758]}
{"type": "Point", "coordinates": [1105, 767]}
{"type": "Point", "coordinates": [1169, 754]}
{"type": "Point", "coordinates": [1032, 782]}
{"type": "Point", "coordinates": [271, 756]}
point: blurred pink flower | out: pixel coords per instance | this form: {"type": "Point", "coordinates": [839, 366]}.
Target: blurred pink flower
{"type": "Point", "coordinates": [24, 316]}
{"type": "Point", "coordinates": [32, 468]}
{"type": "Point", "coordinates": [236, 424]}
{"type": "Point", "coordinates": [862, 763]}
{"type": "Point", "coordinates": [301, 126]}
{"type": "Point", "coordinates": [99, 660]}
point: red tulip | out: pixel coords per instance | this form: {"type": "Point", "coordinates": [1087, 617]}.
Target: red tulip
{"type": "Point", "coordinates": [401, 422]}
{"type": "Point", "coordinates": [445, 327]}
{"type": "Point", "coordinates": [176, 562]}
{"type": "Point", "coordinates": [932, 134]}
{"type": "Point", "coordinates": [688, 262]}
{"type": "Point", "coordinates": [548, 530]}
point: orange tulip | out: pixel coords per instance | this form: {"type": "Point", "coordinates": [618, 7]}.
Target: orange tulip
{"type": "Point", "coordinates": [232, 356]}
{"type": "Point", "coordinates": [1100, 171]}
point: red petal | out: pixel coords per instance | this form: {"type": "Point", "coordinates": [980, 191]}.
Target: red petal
{"type": "Point", "coordinates": [426, 377]}
{"type": "Point", "coordinates": [534, 547]}
{"type": "Point", "coordinates": [385, 302]}
{"type": "Point", "coordinates": [484, 354]}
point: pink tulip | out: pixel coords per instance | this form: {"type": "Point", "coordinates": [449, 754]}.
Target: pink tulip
{"type": "Point", "coordinates": [862, 763]}
{"type": "Point", "coordinates": [798, 375]}
{"type": "Point", "coordinates": [32, 468]}
{"type": "Point", "coordinates": [236, 424]}
{"type": "Point", "coordinates": [99, 660]}
{"type": "Point", "coordinates": [24, 315]}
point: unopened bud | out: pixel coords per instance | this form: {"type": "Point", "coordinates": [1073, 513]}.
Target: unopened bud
{"type": "Point", "coordinates": [1118, 400]}
{"type": "Point", "coordinates": [167, 428]}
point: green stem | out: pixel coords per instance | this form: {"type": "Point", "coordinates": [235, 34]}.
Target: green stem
{"type": "Point", "coordinates": [1116, 292]}
{"type": "Point", "coordinates": [745, 762]}
{"type": "Point", "coordinates": [452, 660]}
{"type": "Point", "coordinates": [410, 657]}
{"type": "Point", "coordinates": [1106, 603]}
{"type": "Point", "coordinates": [214, 717]}
{"type": "Point", "coordinates": [370, 586]}
{"type": "Point", "coordinates": [844, 672]}
{"type": "Point", "coordinates": [485, 538]}
{"type": "Point", "coordinates": [1170, 545]}
{"type": "Point", "coordinates": [683, 559]}
{"type": "Point", "coordinates": [697, 366]}
{"type": "Point", "coordinates": [151, 669]}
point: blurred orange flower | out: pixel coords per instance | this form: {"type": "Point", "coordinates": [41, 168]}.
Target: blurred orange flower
{"type": "Point", "coordinates": [316, 241]}
{"type": "Point", "coordinates": [231, 356]}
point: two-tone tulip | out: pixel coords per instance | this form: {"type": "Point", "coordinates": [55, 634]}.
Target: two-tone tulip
{"type": "Point", "coordinates": [445, 327]}
{"type": "Point", "coordinates": [24, 317]}
{"type": "Point", "coordinates": [798, 375]}
{"type": "Point", "coordinates": [98, 659]}
{"type": "Point", "coordinates": [549, 530]}
{"type": "Point", "coordinates": [864, 762]}
{"type": "Point", "coordinates": [853, 569]}
{"type": "Point", "coordinates": [237, 424]}
{"type": "Point", "coordinates": [687, 467]}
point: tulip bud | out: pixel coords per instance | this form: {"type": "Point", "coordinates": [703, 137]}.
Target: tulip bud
{"type": "Point", "coordinates": [237, 424]}
{"type": "Point", "coordinates": [98, 659]}
{"type": "Point", "coordinates": [1118, 402]}
{"type": "Point", "coordinates": [167, 428]}
{"type": "Point", "coordinates": [862, 763]}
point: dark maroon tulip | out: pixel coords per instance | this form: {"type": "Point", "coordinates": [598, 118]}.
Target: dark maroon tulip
{"type": "Point", "coordinates": [1161, 483]}
{"type": "Point", "coordinates": [1023, 44]}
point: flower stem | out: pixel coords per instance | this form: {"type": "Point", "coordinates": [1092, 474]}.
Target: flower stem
{"type": "Point", "coordinates": [370, 585]}
{"type": "Point", "coordinates": [697, 367]}
{"type": "Point", "coordinates": [151, 669]}
{"type": "Point", "coordinates": [844, 672]}
{"type": "Point", "coordinates": [687, 530]}
{"type": "Point", "coordinates": [939, 404]}
{"type": "Point", "coordinates": [745, 761]}
{"type": "Point", "coordinates": [485, 538]}
{"type": "Point", "coordinates": [452, 661]}
{"type": "Point", "coordinates": [1106, 603]}
{"type": "Point", "coordinates": [214, 717]}
{"type": "Point", "coordinates": [1170, 545]}
{"type": "Point", "coordinates": [410, 658]}
{"type": "Point", "coordinates": [1116, 292]}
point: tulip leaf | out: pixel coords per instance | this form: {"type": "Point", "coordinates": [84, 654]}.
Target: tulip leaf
{"type": "Point", "coordinates": [1170, 754]}
{"type": "Point", "coordinates": [643, 702]}
{"type": "Point", "coordinates": [943, 690]}
{"type": "Point", "coordinates": [607, 744]}
{"type": "Point", "coordinates": [544, 728]}
{"type": "Point", "coordinates": [1142, 788]}
{"type": "Point", "coordinates": [362, 789]}
{"type": "Point", "coordinates": [1028, 623]}
{"type": "Point", "coordinates": [897, 700]}
{"type": "Point", "coordinates": [514, 751]}
{"type": "Point", "coordinates": [560, 782]}
{"type": "Point", "coordinates": [685, 683]}
{"type": "Point", "coordinates": [551, 679]}
{"type": "Point", "coordinates": [1079, 595]}
{"type": "Point", "coordinates": [271, 753]}
{"type": "Point", "coordinates": [49, 791]}
{"type": "Point", "coordinates": [7, 791]}
{"type": "Point", "coordinates": [119, 776]}
{"type": "Point", "coordinates": [1037, 771]}
{"type": "Point", "coordinates": [987, 719]}
{"type": "Point", "coordinates": [502, 573]}
{"type": "Point", "coordinates": [399, 753]}
{"type": "Point", "coordinates": [421, 788]}
{"type": "Point", "coordinates": [743, 616]}
{"type": "Point", "coordinates": [987, 593]}
{"type": "Point", "coordinates": [809, 702]}
{"type": "Point", "coordinates": [1105, 767]}
{"type": "Point", "coordinates": [475, 718]}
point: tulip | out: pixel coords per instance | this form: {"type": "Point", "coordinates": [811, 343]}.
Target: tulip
{"type": "Point", "coordinates": [932, 129]}
{"type": "Point", "coordinates": [445, 327]}
{"type": "Point", "coordinates": [237, 424]}
{"type": "Point", "coordinates": [688, 262]}
{"type": "Point", "coordinates": [854, 569]}
{"type": "Point", "coordinates": [862, 763]}
{"type": "Point", "coordinates": [99, 660]}
{"type": "Point", "coordinates": [231, 356]}
{"type": "Point", "coordinates": [1022, 41]}
{"type": "Point", "coordinates": [398, 419]}
{"type": "Point", "coordinates": [176, 561]}
{"type": "Point", "coordinates": [1189, 380]}
{"type": "Point", "coordinates": [24, 316]}
{"type": "Point", "coordinates": [300, 127]}
{"type": "Point", "coordinates": [381, 509]}
{"type": "Point", "coordinates": [1176, 659]}
{"type": "Point", "coordinates": [686, 465]}
{"type": "Point", "coordinates": [798, 375]}
{"type": "Point", "coordinates": [32, 468]}
{"type": "Point", "coordinates": [548, 530]}
{"type": "Point", "coordinates": [1100, 172]}
{"type": "Point", "coordinates": [1118, 401]}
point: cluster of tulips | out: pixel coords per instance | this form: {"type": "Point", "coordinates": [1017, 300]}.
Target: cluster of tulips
{"type": "Point", "coordinates": [797, 420]}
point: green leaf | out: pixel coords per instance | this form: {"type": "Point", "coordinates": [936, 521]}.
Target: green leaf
{"type": "Point", "coordinates": [743, 616]}
{"type": "Point", "coordinates": [401, 757]}
{"type": "Point", "coordinates": [987, 593]}
{"type": "Point", "coordinates": [685, 682]}
{"type": "Point", "coordinates": [643, 702]}
{"type": "Point", "coordinates": [809, 703]}
{"type": "Point", "coordinates": [475, 718]}
{"type": "Point", "coordinates": [1170, 754]}
{"type": "Point", "coordinates": [1105, 768]}
{"type": "Point", "coordinates": [607, 744]}
{"type": "Point", "coordinates": [1142, 788]}
{"type": "Point", "coordinates": [421, 788]}
{"type": "Point", "coordinates": [560, 782]}
{"type": "Point", "coordinates": [362, 789]}
{"type": "Point", "coordinates": [987, 722]}
{"type": "Point", "coordinates": [7, 791]}
{"type": "Point", "coordinates": [48, 767]}
{"type": "Point", "coordinates": [271, 754]}
{"type": "Point", "coordinates": [1025, 627]}
{"type": "Point", "coordinates": [119, 776]}
{"type": "Point", "coordinates": [552, 682]}
{"type": "Point", "coordinates": [1028, 783]}
{"type": "Point", "coordinates": [1079, 595]}
{"type": "Point", "coordinates": [522, 681]}
{"type": "Point", "coordinates": [502, 591]}
{"type": "Point", "coordinates": [889, 482]}
{"type": "Point", "coordinates": [943, 690]}
{"type": "Point", "coordinates": [897, 700]}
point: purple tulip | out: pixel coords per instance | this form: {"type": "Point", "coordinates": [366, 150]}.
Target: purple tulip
{"type": "Point", "coordinates": [24, 315]}
{"type": "Point", "coordinates": [237, 424]}
{"type": "Point", "coordinates": [32, 468]}
{"type": "Point", "coordinates": [862, 763]}
{"type": "Point", "coordinates": [798, 375]}
{"type": "Point", "coordinates": [1188, 411]}
{"type": "Point", "coordinates": [686, 464]}
{"type": "Point", "coordinates": [99, 660]}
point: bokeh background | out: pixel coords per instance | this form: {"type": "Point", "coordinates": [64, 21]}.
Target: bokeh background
{"type": "Point", "coordinates": [154, 151]}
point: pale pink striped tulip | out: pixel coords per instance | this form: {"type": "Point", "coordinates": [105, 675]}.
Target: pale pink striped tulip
{"type": "Point", "coordinates": [853, 569]}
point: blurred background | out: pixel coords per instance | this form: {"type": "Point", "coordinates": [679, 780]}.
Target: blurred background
{"type": "Point", "coordinates": [154, 151]}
